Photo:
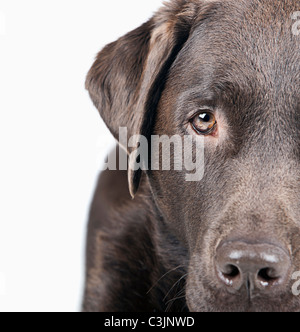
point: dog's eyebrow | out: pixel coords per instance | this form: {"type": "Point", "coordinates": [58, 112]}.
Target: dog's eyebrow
{"type": "Point", "coordinates": [193, 100]}
{"type": "Point", "coordinates": [212, 96]}
{"type": "Point", "coordinates": [198, 94]}
{"type": "Point", "coordinates": [195, 97]}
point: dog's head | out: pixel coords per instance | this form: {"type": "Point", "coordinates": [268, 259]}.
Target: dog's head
{"type": "Point", "coordinates": [227, 72]}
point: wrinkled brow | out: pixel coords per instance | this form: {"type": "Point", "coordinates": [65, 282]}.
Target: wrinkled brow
{"type": "Point", "coordinates": [218, 94]}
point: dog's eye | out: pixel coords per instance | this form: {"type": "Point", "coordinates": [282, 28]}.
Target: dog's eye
{"type": "Point", "coordinates": [204, 123]}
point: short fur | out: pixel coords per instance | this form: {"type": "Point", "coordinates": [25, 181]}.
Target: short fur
{"type": "Point", "coordinates": [156, 252]}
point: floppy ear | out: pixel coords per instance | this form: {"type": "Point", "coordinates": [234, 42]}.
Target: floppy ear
{"type": "Point", "coordinates": [128, 76]}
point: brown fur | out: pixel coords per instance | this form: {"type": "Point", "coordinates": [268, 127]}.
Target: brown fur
{"type": "Point", "coordinates": [156, 252]}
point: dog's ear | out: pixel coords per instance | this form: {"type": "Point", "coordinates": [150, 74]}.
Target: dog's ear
{"type": "Point", "coordinates": [128, 76]}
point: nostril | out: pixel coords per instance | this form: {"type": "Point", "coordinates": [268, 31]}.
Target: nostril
{"type": "Point", "coordinates": [267, 275]}
{"type": "Point", "coordinates": [231, 276]}
{"type": "Point", "coordinates": [231, 271]}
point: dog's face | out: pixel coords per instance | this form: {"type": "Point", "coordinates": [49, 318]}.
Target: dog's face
{"type": "Point", "coordinates": [230, 73]}
{"type": "Point", "coordinates": [241, 67]}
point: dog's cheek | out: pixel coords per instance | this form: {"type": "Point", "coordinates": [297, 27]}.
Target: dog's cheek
{"type": "Point", "coordinates": [168, 189]}
{"type": "Point", "coordinates": [200, 289]}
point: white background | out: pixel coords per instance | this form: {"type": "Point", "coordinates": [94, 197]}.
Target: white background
{"type": "Point", "coordinates": [51, 142]}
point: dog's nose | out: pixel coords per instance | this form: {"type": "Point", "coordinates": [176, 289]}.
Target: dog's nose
{"type": "Point", "coordinates": [252, 266]}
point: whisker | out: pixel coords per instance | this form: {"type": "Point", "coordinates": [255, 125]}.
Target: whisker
{"type": "Point", "coordinates": [172, 270]}
{"type": "Point", "coordinates": [178, 297]}
{"type": "Point", "coordinates": [177, 282]}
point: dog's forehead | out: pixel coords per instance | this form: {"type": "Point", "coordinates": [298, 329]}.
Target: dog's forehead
{"type": "Point", "coordinates": [245, 43]}
{"type": "Point", "coordinates": [257, 29]}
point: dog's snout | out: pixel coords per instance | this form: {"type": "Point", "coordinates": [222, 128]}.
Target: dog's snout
{"type": "Point", "coordinates": [261, 267]}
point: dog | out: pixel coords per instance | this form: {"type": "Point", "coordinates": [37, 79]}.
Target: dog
{"type": "Point", "coordinates": [227, 72]}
